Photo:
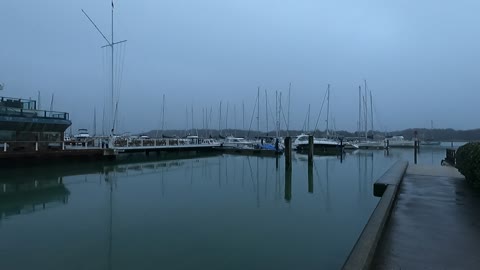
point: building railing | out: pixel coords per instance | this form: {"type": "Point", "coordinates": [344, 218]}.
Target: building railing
{"type": "Point", "coordinates": [18, 103]}
{"type": "Point", "coordinates": [9, 111]}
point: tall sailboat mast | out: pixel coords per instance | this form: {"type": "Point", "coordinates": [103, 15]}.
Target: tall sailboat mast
{"type": "Point", "coordinates": [235, 119]}
{"type": "Point", "coordinates": [258, 111]}
{"type": "Point", "coordinates": [266, 109]}
{"type": "Point", "coordinates": [226, 119]}
{"type": "Point", "coordinates": [94, 121]}
{"type": "Point", "coordinates": [366, 110]}
{"type": "Point", "coordinates": [276, 114]}
{"type": "Point", "coordinates": [328, 107]}
{"type": "Point", "coordinates": [288, 113]}
{"type": "Point", "coordinates": [163, 113]}
{"type": "Point", "coordinates": [243, 116]}
{"type": "Point", "coordinates": [359, 110]}
{"type": "Point", "coordinates": [113, 87]}
{"type": "Point", "coordinates": [110, 43]}
{"type": "Point", "coordinates": [220, 119]}
{"type": "Point", "coordinates": [308, 119]}
{"type": "Point", "coordinates": [371, 111]}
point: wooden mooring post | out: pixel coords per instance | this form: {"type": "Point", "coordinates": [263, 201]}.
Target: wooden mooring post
{"type": "Point", "coordinates": [341, 149]}
{"type": "Point", "coordinates": [415, 151]}
{"type": "Point", "coordinates": [288, 168]}
{"type": "Point", "coordinates": [288, 153]}
{"type": "Point", "coordinates": [310, 149]}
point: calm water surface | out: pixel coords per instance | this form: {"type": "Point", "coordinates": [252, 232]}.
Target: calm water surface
{"type": "Point", "coordinates": [214, 212]}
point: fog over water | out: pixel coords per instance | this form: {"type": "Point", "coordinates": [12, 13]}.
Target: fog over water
{"type": "Point", "coordinates": [420, 59]}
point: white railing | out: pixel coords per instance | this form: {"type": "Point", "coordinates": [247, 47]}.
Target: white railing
{"type": "Point", "coordinates": [103, 143]}
{"type": "Point", "coordinates": [16, 146]}
{"type": "Point", "coordinates": [159, 143]}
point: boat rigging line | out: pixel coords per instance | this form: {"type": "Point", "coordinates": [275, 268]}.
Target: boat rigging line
{"type": "Point", "coordinates": [320, 112]}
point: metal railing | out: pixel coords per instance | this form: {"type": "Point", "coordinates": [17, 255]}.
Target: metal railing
{"type": "Point", "coordinates": [90, 143]}
{"type": "Point", "coordinates": [9, 111]}
{"type": "Point", "coordinates": [26, 146]}
{"type": "Point", "coordinates": [128, 142]}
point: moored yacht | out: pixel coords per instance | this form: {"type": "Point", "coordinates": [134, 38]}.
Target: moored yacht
{"type": "Point", "coordinates": [399, 142]}
{"type": "Point", "coordinates": [320, 145]}
{"type": "Point", "coordinates": [350, 146]}
{"type": "Point", "coordinates": [371, 145]}
{"type": "Point", "coordinates": [82, 134]}
{"type": "Point", "coordinates": [235, 142]}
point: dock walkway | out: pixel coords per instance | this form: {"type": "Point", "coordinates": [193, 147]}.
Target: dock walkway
{"type": "Point", "coordinates": [434, 224]}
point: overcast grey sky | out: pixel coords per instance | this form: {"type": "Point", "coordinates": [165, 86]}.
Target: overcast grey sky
{"type": "Point", "coordinates": [420, 58]}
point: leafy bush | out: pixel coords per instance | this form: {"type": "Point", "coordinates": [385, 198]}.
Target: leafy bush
{"type": "Point", "coordinates": [468, 162]}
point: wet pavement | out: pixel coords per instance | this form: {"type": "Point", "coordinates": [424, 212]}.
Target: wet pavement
{"type": "Point", "coordinates": [435, 223]}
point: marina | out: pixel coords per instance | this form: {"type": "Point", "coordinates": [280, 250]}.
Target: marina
{"type": "Point", "coordinates": [229, 135]}
{"type": "Point", "coordinates": [242, 206]}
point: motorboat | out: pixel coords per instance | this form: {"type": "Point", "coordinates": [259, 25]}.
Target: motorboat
{"type": "Point", "coordinates": [320, 145]}
{"type": "Point", "coordinates": [350, 146]}
{"type": "Point", "coordinates": [82, 134]}
{"type": "Point", "coordinates": [235, 142]}
{"type": "Point", "coordinates": [371, 145]}
{"type": "Point", "coordinates": [399, 142]}
{"type": "Point", "coordinates": [430, 143]}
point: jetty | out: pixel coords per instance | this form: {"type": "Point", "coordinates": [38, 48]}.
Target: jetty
{"type": "Point", "coordinates": [427, 218]}
{"type": "Point", "coordinates": [105, 149]}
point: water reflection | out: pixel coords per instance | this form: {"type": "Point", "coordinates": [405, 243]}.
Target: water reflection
{"type": "Point", "coordinates": [266, 177]}
{"type": "Point", "coordinates": [207, 212]}
{"type": "Point", "coordinates": [310, 177]}
{"type": "Point", "coordinates": [288, 185]}
{"type": "Point", "coordinates": [26, 196]}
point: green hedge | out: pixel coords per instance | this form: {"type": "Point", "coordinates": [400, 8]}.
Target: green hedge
{"type": "Point", "coordinates": [468, 162]}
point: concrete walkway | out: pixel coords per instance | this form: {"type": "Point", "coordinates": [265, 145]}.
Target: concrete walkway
{"type": "Point", "coordinates": [435, 223]}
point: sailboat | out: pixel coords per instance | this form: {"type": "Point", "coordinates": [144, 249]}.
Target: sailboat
{"type": "Point", "coordinates": [320, 145]}
{"type": "Point", "coordinates": [266, 144]}
{"type": "Point", "coordinates": [112, 101]}
{"type": "Point", "coordinates": [367, 143]}
{"type": "Point", "coordinates": [430, 141]}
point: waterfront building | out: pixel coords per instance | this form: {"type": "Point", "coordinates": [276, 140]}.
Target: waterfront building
{"type": "Point", "coordinates": [23, 127]}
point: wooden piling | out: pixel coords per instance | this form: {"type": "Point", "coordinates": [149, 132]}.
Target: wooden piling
{"type": "Point", "coordinates": [415, 151]}
{"type": "Point", "coordinates": [341, 149]}
{"type": "Point", "coordinates": [288, 153]}
{"type": "Point", "coordinates": [310, 149]}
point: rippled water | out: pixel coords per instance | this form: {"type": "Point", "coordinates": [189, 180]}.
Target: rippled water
{"type": "Point", "coordinates": [200, 212]}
